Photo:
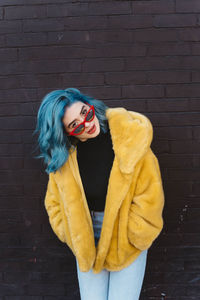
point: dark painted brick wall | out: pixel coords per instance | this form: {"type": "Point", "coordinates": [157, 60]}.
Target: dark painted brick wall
{"type": "Point", "coordinates": [143, 55]}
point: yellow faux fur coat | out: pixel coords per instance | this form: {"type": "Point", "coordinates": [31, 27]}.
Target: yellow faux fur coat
{"type": "Point", "coordinates": [134, 201]}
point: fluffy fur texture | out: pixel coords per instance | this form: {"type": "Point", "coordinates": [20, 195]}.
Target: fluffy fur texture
{"type": "Point", "coordinates": [134, 201]}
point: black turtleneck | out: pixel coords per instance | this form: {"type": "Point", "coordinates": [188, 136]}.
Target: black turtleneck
{"type": "Point", "coordinates": [95, 157]}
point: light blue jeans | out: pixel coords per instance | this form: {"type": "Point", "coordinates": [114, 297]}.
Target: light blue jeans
{"type": "Point", "coordinates": [117, 285]}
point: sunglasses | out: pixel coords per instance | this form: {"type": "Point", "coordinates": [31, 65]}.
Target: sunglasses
{"type": "Point", "coordinates": [88, 118]}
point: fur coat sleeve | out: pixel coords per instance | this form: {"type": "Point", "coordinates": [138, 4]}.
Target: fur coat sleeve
{"type": "Point", "coordinates": [145, 216]}
{"type": "Point", "coordinates": [53, 207]}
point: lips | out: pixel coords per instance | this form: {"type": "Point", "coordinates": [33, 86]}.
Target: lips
{"type": "Point", "coordinates": [92, 130]}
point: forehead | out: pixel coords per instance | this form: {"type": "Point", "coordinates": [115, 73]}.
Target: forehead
{"type": "Point", "coordinates": [72, 112]}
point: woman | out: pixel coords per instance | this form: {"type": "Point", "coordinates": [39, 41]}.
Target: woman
{"type": "Point", "coordinates": [104, 197]}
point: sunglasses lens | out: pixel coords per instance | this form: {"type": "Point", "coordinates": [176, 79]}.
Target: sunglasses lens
{"type": "Point", "coordinates": [79, 129]}
{"type": "Point", "coordinates": [90, 116]}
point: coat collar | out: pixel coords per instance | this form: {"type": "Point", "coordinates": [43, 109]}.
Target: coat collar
{"type": "Point", "coordinates": [131, 133]}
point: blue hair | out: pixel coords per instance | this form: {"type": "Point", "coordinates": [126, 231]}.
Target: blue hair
{"type": "Point", "coordinates": [53, 141]}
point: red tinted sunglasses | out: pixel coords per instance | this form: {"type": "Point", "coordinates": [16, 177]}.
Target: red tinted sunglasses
{"type": "Point", "coordinates": [88, 118]}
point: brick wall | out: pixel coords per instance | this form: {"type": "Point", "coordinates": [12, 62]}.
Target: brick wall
{"type": "Point", "coordinates": [143, 55]}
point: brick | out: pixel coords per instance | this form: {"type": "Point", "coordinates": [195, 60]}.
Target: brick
{"type": "Point", "coordinates": [183, 6]}
{"type": "Point", "coordinates": [11, 163]}
{"type": "Point", "coordinates": [11, 190]}
{"type": "Point", "coordinates": [10, 202]}
{"type": "Point", "coordinates": [18, 122]}
{"type": "Point", "coordinates": [192, 290]}
{"type": "Point", "coordinates": [18, 95]}
{"type": "Point", "coordinates": [185, 146]}
{"type": "Point", "coordinates": [37, 80]}
{"type": "Point", "coordinates": [183, 90]}
{"type": "Point", "coordinates": [33, 176]}
{"type": "Point", "coordinates": [84, 37]}
{"type": "Point", "coordinates": [181, 278]}
{"type": "Point", "coordinates": [28, 136]}
{"type": "Point", "coordinates": [156, 63]}
{"type": "Point", "coordinates": [142, 91]}
{"type": "Point", "coordinates": [8, 176]}
{"type": "Point", "coordinates": [110, 36]}
{"type": "Point", "coordinates": [194, 104]}
{"type": "Point", "coordinates": [49, 289]}
{"type": "Point", "coordinates": [102, 64]}
{"type": "Point", "coordinates": [120, 7]}
{"type": "Point", "coordinates": [175, 20]}
{"type": "Point", "coordinates": [167, 105]}
{"type": "Point", "coordinates": [11, 149]}
{"type": "Point", "coordinates": [190, 62]}
{"type": "Point", "coordinates": [53, 52]}
{"type": "Point", "coordinates": [196, 189]}
{"type": "Point", "coordinates": [86, 22]}
{"type": "Point", "coordinates": [195, 48]}
{"type": "Point", "coordinates": [173, 189]}
{"type": "Point", "coordinates": [25, 12]}
{"type": "Point", "coordinates": [130, 21]}
{"type": "Point", "coordinates": [196, 161]}
{"type": "Point", "coordinates": [189, 34]}
{"type": "Point", "coordinates": [20, 2]}
{"type": "Point", "coordinates": [67, 10]}
{"type": "Point", "coordinates": [9, 82]}
{"type": "Point", "coordinates": [15, 227]}
{"type": "Point", "coordinates": [195, 76]}
{"type": "Point", "coordinates": [153, 7]}
{"type": "Point", "coordinates": [138, 105]}
{"type": "Point", "coordinates": [10, 26]}
{"type": "Point", "coordinates": [75, 294]}
{"type": "Point", "coordinates": [34, 189]}
{"type": "Point", "coordinates": [57, 66]}
{"type": "Point", "coordinates": [7, 289]}
{"type": "Point", "coordinates": [69, 51]}
{"type": "Point", "coordinates": [154, 35]}
{"type": "Point", "coordinates": [125, 77]}
{"type": "Point", "coordinates": [196, 132]}
{"type": "Point", "coordinates": [2, 41]}
{"type": "Point", "coordinates": [81, 79]}
{"type": "Point", "coordinates": [193, 214]}
{"type": "Point", "coordinates": [43, 25]}
{"type": "Point", "coordinates": [172, 48]}
{"type": "Point", "coordinates": [26, 39]}
{"type": "Point", "coordinates": [174, 119]}
{"type": "Point", "coordinates": [9, 110]}
{"type": "Point", "coordinates": [118, 50]}
{"type": "Point", "coordinates": [168, 77]}
{"type": "Point", "coordinates": [31, 163]}
{"type": "Point", "coordinates": [103, 92]}
{"type": "Point", "coordinates": [167, 160]}
{"type": "Point", "coordinates": [10, 137]}
{"type": "Point", "coordinates": [23, 297]}
{"type": "Point", "coordinates": [29, 109]}
{"type": "Point", "coordinates": [192, 265]}
{"type": "Point", "coordinates": [160, 147]}
{"type": "Point", "coordinates": [173, 133]}
{"type": "Point", "coordinates": [181, 174]}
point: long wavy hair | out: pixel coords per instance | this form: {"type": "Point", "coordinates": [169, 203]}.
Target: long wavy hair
{"type": "Point", "coordinates": [53, 142]}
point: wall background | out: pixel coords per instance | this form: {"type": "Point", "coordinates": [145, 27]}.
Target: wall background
{"type": "Point", "coordinates": [143, 55]}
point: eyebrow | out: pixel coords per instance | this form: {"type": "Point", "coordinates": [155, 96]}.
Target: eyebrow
{"type": "Point", "coordinates": [76, 119]}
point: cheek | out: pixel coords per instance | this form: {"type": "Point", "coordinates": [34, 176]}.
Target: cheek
{"type": "Point", "coordinates": [96, 121]}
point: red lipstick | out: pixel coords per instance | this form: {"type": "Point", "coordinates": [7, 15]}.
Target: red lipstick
{"type": "Point", "coordinates": [92, 130]}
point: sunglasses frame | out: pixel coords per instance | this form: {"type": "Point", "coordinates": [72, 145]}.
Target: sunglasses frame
{"type": "Point", "coordinates": [84, 121]}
